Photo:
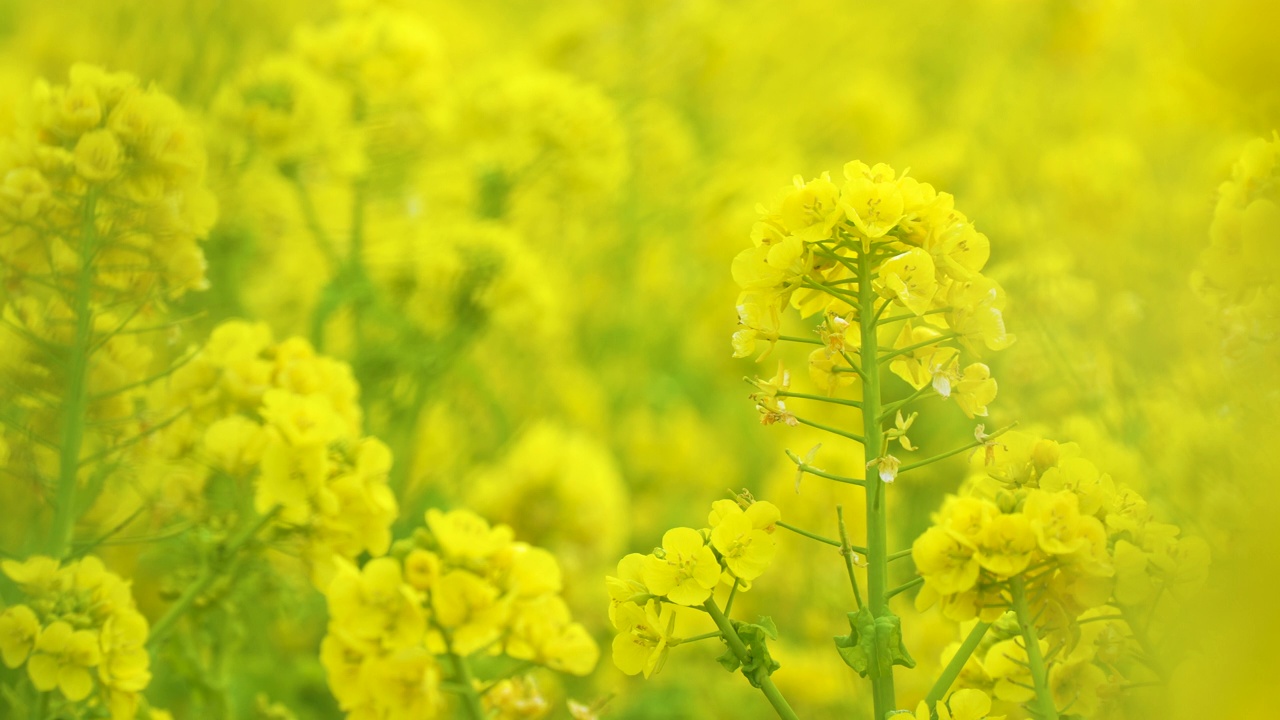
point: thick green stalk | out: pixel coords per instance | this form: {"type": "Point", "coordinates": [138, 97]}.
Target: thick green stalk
{"type": "Point", "coordinates": [958, 661]}
{"type": "Point", "coordinates": [1042, 707]}
{"type": "Point", "coordinates": [877, 516]}
{"type": "Point", "coordinates": [77, 399]}
{"type": "Point", "coordinates": [739, 649]}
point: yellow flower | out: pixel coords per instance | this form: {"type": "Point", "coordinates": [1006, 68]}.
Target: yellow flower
{"type": "Point", "coordinates": [746, 550]}
{"type": "Point", "coordinates": [1007, 663]}
{"type": "Point", "coordinates": [405, 684]}
{"type": "Point", "coordinates": [125, 662]}
{"type": "Point", "coordinates": [1075, 684]}
{"type": "Point", "coordinates": [374, 606]}
{"type": "Point", "coordinates": [471, 607]}
{"type": "Point", "coordinates": [98, 156]}
{"type": "Point", "coordinates": [542, 631]}
{"type": "Point", "coordinates": [62, 659]}
{"type": "Point", "coordinates": [871, 198]}
{"type": "Point", "coordinates": [823, 371]}
{"type": "Point", "coordinates": [628, 583]}
{"type": "Point", "coordinates": [465, 536]}
{"type": "Point", "coordinates": [909, 278]}
{"type": "Point", "coordinates": [812, 209]}
{"type": "Point", "coordinates": [948, 565]}
{"type": "Point", "coordinates": [685, 571]}
{"type": "Point", "coordinates": [19, 629]}
{"type": "Point", "coordinates": [35, 575]}
{"type": "Point", "coordinates": [977, 314]}
{"type": "Point", "coordinates": [1006, 544]}
{"type": "Point", "coordinates": [758, 316]}
{"type": "Point", "coordinates": [421, 569]}
{"type": "Point", "coordinates": [1056, 520]}
{"type": "Point", "coordinates": [643, 638]}
{"type": "Point", "coordinates": [975, 390]}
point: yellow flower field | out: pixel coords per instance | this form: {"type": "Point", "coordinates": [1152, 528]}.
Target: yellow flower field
{"type": "Point", "coordinates": [623, 359]}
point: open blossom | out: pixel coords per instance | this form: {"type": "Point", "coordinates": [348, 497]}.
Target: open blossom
{"type": "Point", "coordinates": [685, 570]}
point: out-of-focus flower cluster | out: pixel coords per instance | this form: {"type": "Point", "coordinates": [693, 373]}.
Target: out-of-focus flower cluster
{"type": "Point", "coordinates": [459, 588]}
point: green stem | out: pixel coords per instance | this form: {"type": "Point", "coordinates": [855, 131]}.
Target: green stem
{"type": "Point", "coordinates": [893, 407]}
{"type": "Point", "coordinates": [877, 554]}
{"type": "Point", "coordinates": [77, 402]}
{"type": "Point", "coordinates": [943, 456]}
{"type": "Point", "coordinates": [696, 638]}
{"type": "Point", "coordinates": [904, 587]}
{"type": "Point", "coordinates": [834, 431]}
{"type": "Point", "coordinates": [811, 470]}
{"type": "Point", "coordinates": [224, 561]}
{"type": "Point", "coordinates": [794, 339]}
{"type": "Point", "coordinates": [913, 347]}
{"type": "Point", "coordinates": [820, 398]}
{"type": "Point", "coordinates": [847, 551]}
{"type": "Point", "coordinates": [1042, 707]}
{"type": "Point", "coordinates": [466, 689]}
{"type": "Point", "coordinates": [819, 538]}
{"type": "Point", "coordinates": [739, 649]}
{"type": "Point", "coordinates": [958, 661]}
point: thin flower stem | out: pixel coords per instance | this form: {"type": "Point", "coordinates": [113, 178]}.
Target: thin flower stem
{"type": "Point", "coordinates": [943, 456]}
{"type": "Point", "coordinates": [225, 560]}
{"type": "Point", "coordinates": [916, 346]}
{"type": "Point", "coordinates": [846, 550]}
{"type": "Point", "coordinates": [834, 431]}
{"type": "Point", "coordinates": [312, 218]}
{"type": "Point", "coordinates": [733, 594]}
{"type": "Point", "coordinates": [910, 316]}
{"type": "Point", "coordinates": [1042, 706]}
{"type": "Point", "coordinates": [794, 339]}
{"type": "Point", "coordinates": [897, 405]}
{"type": "Point", "coordinates": [820, 398]}
{"type": "Point", "coordinates": [914, 582]}
{"type": "Point", "coordinates": [811, 536]}
{"type": "Point", "coordinates": [811, 470]}
{"type": "Point", "coordinates": [463, 680]}
{"type": "Point", "coordinates": [900, 554]}
{"type": "Point", "coordinates": [876, 318]}
{"type": "Point", "coordinates": [958, 661]}
{"type": "Point", "coordinates": [703, 636]}
{"type": "Point", "coordinates": [848, 297]}
{"type": "Point", "coordinates": [761, 678]}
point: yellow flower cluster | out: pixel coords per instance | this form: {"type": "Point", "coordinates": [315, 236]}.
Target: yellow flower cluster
{"type": "Point", "coordinates": [928, 260]}
{"type": "Point", "coordinates": [1234, 272]}
{"type": "Point", "coordinates": [1039, 519]}
{"type": "Point", "coordinates": [288, 420]}
{"type": "Point", "coordinates": [460, 588]}
{"type": "Point", "coordinates": [685, 571]}
{"type": "Point", "coordinates": [1037, 507]}
{"type": "Point", "coordinates": [107, 180]}
{"type": "Point", "coordinates": [77, 632]}
{"type": "Point", "coordinates": [359, 93]}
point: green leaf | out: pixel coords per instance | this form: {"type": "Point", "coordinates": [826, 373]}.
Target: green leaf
{"type": "Point", "coordinates": [729, 661]}
{"type": "Point", "coordinates": [873, 645]}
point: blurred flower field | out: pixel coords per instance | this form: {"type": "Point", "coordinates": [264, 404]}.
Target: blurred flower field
{"type": "Point", "coordinates": [404, 359]}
